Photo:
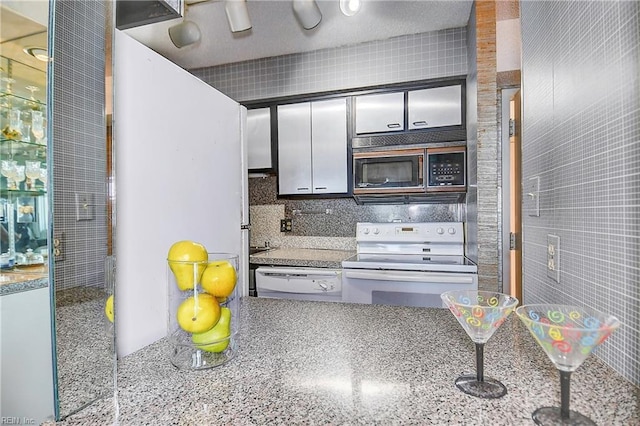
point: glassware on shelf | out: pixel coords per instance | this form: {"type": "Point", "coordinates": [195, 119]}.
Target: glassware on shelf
{"type": "Point", "coordinates": [33, 103]}
{"type": "Point", "coordinates": [19, 175]}
{"type": "Point", "coordinates": [43, 176]}
{"type": "Point", "coordinates": [567, 334]}
{"type": "Point", "coordinates": [37, 127]}
{"type": "Point", "coordinates": [480, 313]}
{"type": "Point", "coordinates": [8, 84]}
{"type": "Point", "coordinates": [32, 171]}
{"type": "Point", "coordinates": [13, 130]}
{"type": "Point", "coordinates": [8, 170]}
{"type": "Point", "coordinates": [5, 102]}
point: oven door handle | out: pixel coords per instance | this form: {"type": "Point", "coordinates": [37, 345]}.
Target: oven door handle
{"type": "Point", "coordinates": [422, 277]}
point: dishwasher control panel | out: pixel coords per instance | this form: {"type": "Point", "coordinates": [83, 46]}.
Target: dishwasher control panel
{"type": "Point", "coordinates": [318, 284]}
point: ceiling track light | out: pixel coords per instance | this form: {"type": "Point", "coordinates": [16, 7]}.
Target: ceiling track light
{"type": "Point", "coordinates": [40, 53]}
{"type": "Point", "coordinates": [237, 15]}
{"type": "Point", "coordinates": [184, 34]}
{"type": "Point", "coordinates": [350, 7]}
{"type": "Point", "coordinates": [307, 12]}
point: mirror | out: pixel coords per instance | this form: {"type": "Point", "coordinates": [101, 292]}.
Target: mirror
{"type": "Point", "coordinates": [55, 255]}
{"type": "Point", "coordinates": [23, 148]}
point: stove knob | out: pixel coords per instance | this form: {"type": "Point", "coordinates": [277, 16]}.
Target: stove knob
{"type": "Point", "coordinates": [452, 231]}
{"type": "Point", "coordinates": [365, 231]}
{"type": "Point", "coordinates": [440, 231]}
{"type": "Point", "coordinates": [376, 231]}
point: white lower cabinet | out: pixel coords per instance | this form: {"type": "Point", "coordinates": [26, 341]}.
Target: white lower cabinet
{"type": "Point", "coordinates": [312, 147]}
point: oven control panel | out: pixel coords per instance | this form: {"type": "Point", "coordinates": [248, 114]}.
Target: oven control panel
{"type": "Point", "coordinates": [420, 232]}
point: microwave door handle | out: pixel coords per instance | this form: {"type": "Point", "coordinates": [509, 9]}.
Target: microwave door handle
{"type": "Point", "coordinates": [369, 184]}
{"type": "Point", "coordinates": [423, 277]}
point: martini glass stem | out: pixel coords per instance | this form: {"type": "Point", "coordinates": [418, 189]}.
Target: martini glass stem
{"type": "Point", "coordinates": [480, 362]}
{"type": "Point", "coordinates": [565, 382]}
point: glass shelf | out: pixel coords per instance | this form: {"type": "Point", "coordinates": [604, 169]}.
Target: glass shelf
{"type": "Point", "coordinates": [12, 147]}
{"type": "Point", "coordinates": [10, 97]}
{"type": "Point", "coordinates": [6, 193]}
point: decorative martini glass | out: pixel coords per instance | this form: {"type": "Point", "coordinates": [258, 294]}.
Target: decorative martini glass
{"type": "Point", "coordinates": [480, 313]}
{"type": "Point", "coordinates": [567, 334]}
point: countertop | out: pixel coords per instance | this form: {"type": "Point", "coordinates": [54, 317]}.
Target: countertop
{"type": "Point", "coordinates": [302, 362]}
{"type": "Point", "coordinates": [23, 278]}
{"type": "Point", "coordinates": [316, 258]}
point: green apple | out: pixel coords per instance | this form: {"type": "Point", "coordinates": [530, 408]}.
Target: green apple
{"type": "Point", "coordinates": [222, 330]}
{"type": "Point", "coordinates": [219, 278]}
{"type": "Point", "coordinates": [184, 257]}
{"type": "Point", "coordinates": [198, 314]}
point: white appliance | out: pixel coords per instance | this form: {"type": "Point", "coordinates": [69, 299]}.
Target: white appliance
{"type": "Point", "coordinates": [319, 284]}
{"type": "Point", "coordinates": [181, 175]}
{"type": "Point", "coordinates": [407, 264]}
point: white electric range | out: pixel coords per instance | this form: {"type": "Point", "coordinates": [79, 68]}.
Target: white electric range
{"type": "Point", "coordinates": [407, 264]}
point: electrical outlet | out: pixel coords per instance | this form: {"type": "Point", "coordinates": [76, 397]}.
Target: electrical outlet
{"type": "Point", "coordinates": [58, 247]}
{"type": "Point", "coordinates": [553, 257]}
{"type": "Point", "coordinates": [286, 225]}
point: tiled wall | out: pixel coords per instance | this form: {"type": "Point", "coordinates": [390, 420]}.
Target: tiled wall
{"type": "Point", "coordinates": [79, 150]}
{"type": "Point", "coordinates": [407, 58]}
{"type": "Point", "coordinates": [401, 59]}
{"type": "Point", "coordinates": [581, 136]}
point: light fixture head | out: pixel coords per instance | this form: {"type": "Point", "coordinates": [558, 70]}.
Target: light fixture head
{"type": "Point", "coordinates": [237, 15]}
{"type": "Point", "coordinates": [307, 12]}
{"type": "Point", "coordinates": [350, 7]}
{"type": "Point", "coordinates": [40, 53]}
{"type": "Point", "coordinates": [184, 34]}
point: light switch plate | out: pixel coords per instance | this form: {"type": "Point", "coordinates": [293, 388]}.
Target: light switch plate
{"type": "Point", "coordinates": [85, 206]}
{"type": "Point", "coordinates": [553, 257]}
{"type": "Point", "coordinates": [532, 196]}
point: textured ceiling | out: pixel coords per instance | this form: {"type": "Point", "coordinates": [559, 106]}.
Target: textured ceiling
{"type": "Point", "coordinates": [275, 30]}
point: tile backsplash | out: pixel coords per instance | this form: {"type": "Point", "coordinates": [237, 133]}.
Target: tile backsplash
{"type": "Point", "coordinates": [328, 218]}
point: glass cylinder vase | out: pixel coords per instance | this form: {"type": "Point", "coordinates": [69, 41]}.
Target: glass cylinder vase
{"type": "Point", "coordinates": [203, 316]}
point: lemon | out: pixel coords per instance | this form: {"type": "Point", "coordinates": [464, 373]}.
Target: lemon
{"type": "Point", "coordinates": [108, 308]}
{"type": "Point", "coordinates": [197, 314]}
{"type": "Point", "coordinates": [219, 279]}
{"type": "Point", "coordinates": [184, 257]}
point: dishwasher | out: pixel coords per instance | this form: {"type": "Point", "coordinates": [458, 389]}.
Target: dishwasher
{"type": "Point", "coordinates": [299, 283]}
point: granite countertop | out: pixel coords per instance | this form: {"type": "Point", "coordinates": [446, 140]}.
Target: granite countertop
{"type": "Point", "coordinates": [23, 278]}
{"type": "Point", "coordinates": [316, 258]}
{"type": "Point", "coordinates": [302, 362]}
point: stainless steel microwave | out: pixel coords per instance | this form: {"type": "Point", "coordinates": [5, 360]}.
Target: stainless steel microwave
{"type": "Point", "coordinates": [409, 171]}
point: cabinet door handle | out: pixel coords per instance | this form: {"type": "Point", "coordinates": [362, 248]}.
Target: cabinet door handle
{"type": "Point", "coordinates": [393, 125]}
{"type": "Point", "coordinates": [303, 189]}
{"type": "Point", "coordinates": [320, 187]}
{"type": "Point", "coordinates": [420, 123]}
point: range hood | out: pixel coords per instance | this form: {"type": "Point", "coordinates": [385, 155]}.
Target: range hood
{"type": "Point", "coordinates": [427, 198]}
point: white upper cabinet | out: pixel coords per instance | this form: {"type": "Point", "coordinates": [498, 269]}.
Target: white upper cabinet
{"type": "Point", "coordinates": [312, 147]}
{"type": "Point", "coordinates": [435, 107]}
{"type": "Point", "coordinates": [379, 113]}
{"type": "Point", "coordinates": [294, 148]}
{"type": "Point", "coordinates": [259, 138]}
{"type": "Point", "coordinates": [329, 146]}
